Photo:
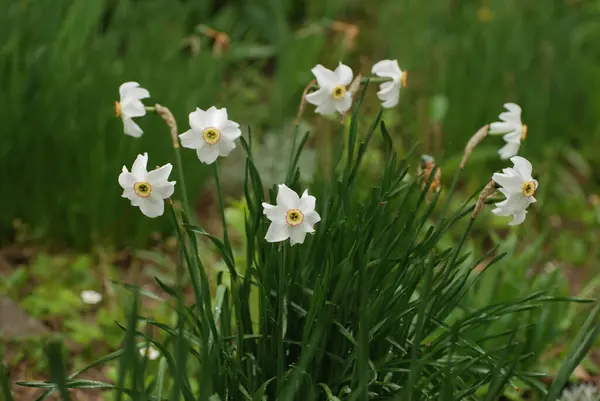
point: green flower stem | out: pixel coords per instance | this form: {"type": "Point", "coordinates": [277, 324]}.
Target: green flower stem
{"type": "Point", "coordinates": [181, 175]}
{"type": "Point", "coordinates": [222, 208]}
{"type": "Point", "coordinates": [374, 80]}
{"type": "Point", "coordinates": [150, 109]}
{"type": "Point", "coordinates": [291, 166]}
{"type": "Point", "coordinates": [280, 319]}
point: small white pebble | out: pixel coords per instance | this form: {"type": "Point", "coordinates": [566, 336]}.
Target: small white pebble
{"type": "Point", "coordinates": [91, 297]}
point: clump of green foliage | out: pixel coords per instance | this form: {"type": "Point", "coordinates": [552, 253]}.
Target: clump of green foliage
{"type": "Point", "coordinates": [370, 307]}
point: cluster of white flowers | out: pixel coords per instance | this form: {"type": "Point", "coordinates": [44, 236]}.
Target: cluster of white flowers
{"type": "Point", "coordinates": [333, 94]}
{"type": "Point", "coordinates": [212, 134]}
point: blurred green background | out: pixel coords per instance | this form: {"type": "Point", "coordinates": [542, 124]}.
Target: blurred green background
{"type": "Point", "coordinates": [61, 63]}
{"type": "Point", "coordinates": [62, 148]}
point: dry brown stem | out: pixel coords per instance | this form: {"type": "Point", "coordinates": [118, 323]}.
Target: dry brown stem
{"type": "Point", "coordinates": [168, 118]}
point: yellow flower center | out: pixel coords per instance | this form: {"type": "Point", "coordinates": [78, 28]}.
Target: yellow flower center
{"type": "Point", "coordinates": [118, 109]}
{"type": "Point", "coordinates": [404, 79]}
{"type": "Point", "coordinates": [523, 132]}
{"type": "Point", "coordinates": [294, 217]}
{"type": "Point", "coordinates": [339, 92]}
{"type": "Point", "coordinates": [529, 189]}
{"type": "Point", "coordinates": [143, 189]}
{"type": "Point", "coordinates": [211, 135]}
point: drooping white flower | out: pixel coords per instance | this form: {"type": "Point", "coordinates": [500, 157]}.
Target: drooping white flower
{"type": "Point", "coordinates": [513, 129]}
{"type": "Point", "coordinates": [90, 297]}
{"type": "Point", "coordinates": [389, 92]}
{"type": "Point", "coordinates": [149, 351]}
{"type": "Point", "coordinates": [211, 133]}
{"type": "Point", "coordinates": [147, 189]}
{"type": "Point", "coordinates": [130, 105]}
{"type": "Point", "coordinates": [518, 187]}
{"type": "Point", "coordinates": [293, 217]}
{"type": "Point", "coordinates": [333, 94]}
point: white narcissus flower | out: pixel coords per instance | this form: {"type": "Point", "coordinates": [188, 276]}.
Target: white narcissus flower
{"type": "Point", "coordinates": [292, 217]}
{"type": "Point", "coordinates": [212, 134]}
{"type": "Point", "coordinates": [518, 187]}
{"type": "Point", "coordinates": [333, 94]}
{"type": "Point", "coordinates": [389, 92]}
{"type": "Point", "coordinates": [130, 105]}
{"type": "Point", "coordinates": [149, 351]}
{"type": "Point", "coordinates": [513, 129]}
{"type": "Point", "coordinates": [147, 189]}
{"type": "Point", "coordinates": [90, 297]}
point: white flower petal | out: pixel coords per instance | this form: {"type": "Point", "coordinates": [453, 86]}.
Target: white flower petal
{"type": "Point", "coordinates": [387, 68]}
{"type": "Point", "coordinates": [160, 175]}
{"type": "Point", "coordinates": [307, 203]}
{"type": "Point", "coordinates": [198, 120]}
{"type": "Point", "coordinates": [389, 94]}
{"type": "Point", "coordinates": [509, 150]}
{"type": "Point", "coordinates": [499, 211]}
{"type": "Point", "coordinates": [131, 195]}
{"type": "Point", "coordinates": [312, 218]}
{"type": "Point", "coordinates": [158, 179]}
{"type": "Point", "coordinates": [297, 235]}
{"type": "Point", "coordinates": [231, 133]}
{"type": "Point", "coordinates": [287, 197]}
{"type": "Point", "coordinates": [192, 139]}
{"type": "Point", "coordinates": [325, 77]}
{"type": "Point", "coordinates": [344, 104]}
{"type": "Point", "coordinates": [165, 190]}
{"type": "Point", "coordinates": [225, 147]}
{"type": "Point", "coordinates": [513, 115]}
{"type": "Point", "coordinates": [132, 108]}
{"type": "Point", "coordinates": [277, 232]}
{"type": "Point", "coordinates": [327, 108]}
{"type": "Point", "coordinates": [131, 128]}
{"type": "Point", "coordinates": [217, 117]}
{"type": "Point", "coordinates": [229, 125]}
{"type": "Point", "coordinates": [512, 183]}
{"type": "Point", "coordinates": [152, 206]}
{"type": "Point", "coordinates": [513, 108]}
{"type": "Point", "coordinates": [139, 168]}
{"type": "Point", "coordinates": [518, 218]}
{"type": "Point", "coordinates": [500, 128]}
{"type": "Point", "coordinates": [514, 137]}
{"type": "Point", "coordinates": [274, 212]}
{"type": "Point", "coordinates": [126, 179]}
{"type": "Point", "coordinates": [135, 94]}
{"type": "Point", "coordinates": [344, 74]}
{"type": "Point", "coordinates": [126, 87]}
{"type": "Point", "coordinates": [523, 167]}
{"type": "Point", "coordinates": [318, 97]}
{"type": "Point", "coordinates": [208, 154]}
